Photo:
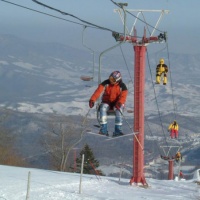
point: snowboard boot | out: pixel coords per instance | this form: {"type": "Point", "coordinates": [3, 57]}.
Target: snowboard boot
{"type": "Point", "coordinates": [118, 131]}
{"type": "Point", "coordinates": [165, 80]}
{"type": "Point", "coordinates": [103, 130]}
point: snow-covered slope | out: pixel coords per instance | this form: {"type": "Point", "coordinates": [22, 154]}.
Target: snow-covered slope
{"type": "Point", "coordinates": [52, 185]}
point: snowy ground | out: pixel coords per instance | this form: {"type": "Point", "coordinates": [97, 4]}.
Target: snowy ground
{"type": "Point", "coordinates": [52, 185]}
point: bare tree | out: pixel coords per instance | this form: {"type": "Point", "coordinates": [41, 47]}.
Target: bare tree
{"type": "Point", "coordinates": [65, 133]}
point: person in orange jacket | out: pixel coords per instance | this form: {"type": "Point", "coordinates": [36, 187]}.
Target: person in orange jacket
{"type": "Point", "coordinates": [114, 97]}
{"type": "Point", "coordinates": [173, 129]}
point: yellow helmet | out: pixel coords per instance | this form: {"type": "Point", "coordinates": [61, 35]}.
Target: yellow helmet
{"type": "Point", "coordinates": [162, 61]}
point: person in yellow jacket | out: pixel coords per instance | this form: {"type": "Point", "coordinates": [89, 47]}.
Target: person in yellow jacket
{"type": "Point", "coordinates": [173, 129]}
{"type": "Point", "coordinates": [161, 71]}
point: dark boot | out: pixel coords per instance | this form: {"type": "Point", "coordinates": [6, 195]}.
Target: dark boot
{"type": "Point", "coordinates": [118, 131]}
{"type": "Point", "coordinates": [103, 130]}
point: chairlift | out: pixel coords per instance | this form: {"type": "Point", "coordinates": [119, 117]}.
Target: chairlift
{"type": "Point", "coordinates": [84, 77]}
{"type": "Point", "coordinates": [110, 112]}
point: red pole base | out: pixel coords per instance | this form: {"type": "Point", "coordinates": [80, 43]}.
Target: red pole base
{"type": "Point", "coordinates": [171, 169]}
{"type": "Point", "coordinates": [138, 180]}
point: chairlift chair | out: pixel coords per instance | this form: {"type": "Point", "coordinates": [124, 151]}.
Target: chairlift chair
{"type": "Point", "coordinates": [87, 78]}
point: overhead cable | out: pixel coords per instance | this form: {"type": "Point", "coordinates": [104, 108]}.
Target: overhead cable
{"type": "Point", "coordinates": [64, 13]}
{"type": "Point", "coordinates": [41, 12]}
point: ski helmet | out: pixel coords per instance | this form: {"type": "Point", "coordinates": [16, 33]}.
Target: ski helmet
{"type": "Point", "coordinates": [162, 61]}
{"type": "Point", "coordinates": [116, 75]}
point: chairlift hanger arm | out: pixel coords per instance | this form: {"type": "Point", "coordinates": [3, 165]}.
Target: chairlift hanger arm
{"type": "Point", "coordinates": [120, 43]}
{"type": "Point", "coordinates": [83, 41]}
{"type": "Point", "coordinates": [84, 28]}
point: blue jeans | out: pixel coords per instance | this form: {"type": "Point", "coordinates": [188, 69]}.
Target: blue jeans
{"type": "Point", "coordinates": [104, 107]}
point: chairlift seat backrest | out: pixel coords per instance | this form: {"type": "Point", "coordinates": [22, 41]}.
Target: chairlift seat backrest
{"type": "Point", "coordinates": [111, 112]}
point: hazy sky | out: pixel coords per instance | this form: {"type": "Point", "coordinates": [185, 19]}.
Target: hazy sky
{"type": "Point", "coordinates": [181, 23]}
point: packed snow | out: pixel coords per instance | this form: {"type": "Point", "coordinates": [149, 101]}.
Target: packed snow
{"type": "Point", "coordinates": [54, 185]}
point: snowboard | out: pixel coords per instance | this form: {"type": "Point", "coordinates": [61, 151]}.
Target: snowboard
{"type": "Point", "coordinates": [110, 137]}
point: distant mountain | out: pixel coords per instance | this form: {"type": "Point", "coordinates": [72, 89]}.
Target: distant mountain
{"type": "Point", "coordinates": [45, 77]}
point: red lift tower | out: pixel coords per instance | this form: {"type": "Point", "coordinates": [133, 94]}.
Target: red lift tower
{"type": "Point", "coordinates": [139, 45]}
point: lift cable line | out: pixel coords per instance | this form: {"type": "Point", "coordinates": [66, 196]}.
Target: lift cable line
{"type": "Point", "coordinates": [42, 12]}
{"type": "Point", "coordinates": [71, 15]}
{"type": "Point", "coordinates": [172, 89]}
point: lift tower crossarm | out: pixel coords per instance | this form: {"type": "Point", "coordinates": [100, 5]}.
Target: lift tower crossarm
{"type": "Point", "coordinates": [141, 12]}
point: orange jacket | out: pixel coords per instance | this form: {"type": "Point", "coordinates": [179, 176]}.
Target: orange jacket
{"type": "Point", "coordinates": [112, 93]}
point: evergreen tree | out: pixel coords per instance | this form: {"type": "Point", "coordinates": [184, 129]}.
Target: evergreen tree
{"type": "Point", "coordinates": [90, 163]}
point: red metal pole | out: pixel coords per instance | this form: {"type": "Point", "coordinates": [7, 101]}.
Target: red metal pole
{"type": "Point", "coordinates": [171, 169]}
{"type": "Point", "coordinates": [139, 88]}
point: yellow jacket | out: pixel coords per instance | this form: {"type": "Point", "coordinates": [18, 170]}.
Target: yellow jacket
{"type": "Point", "coordinates": [178, 155]}
{"type": "Point", "coordinates": [162, 68]}
{"type": "Point", "coordinates": [173, 126]}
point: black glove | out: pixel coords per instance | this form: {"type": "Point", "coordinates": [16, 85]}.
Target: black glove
{"type": "Point", "coordinates": [91, 103]}
{"type": "Point", "coordinates": [118, 105]}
